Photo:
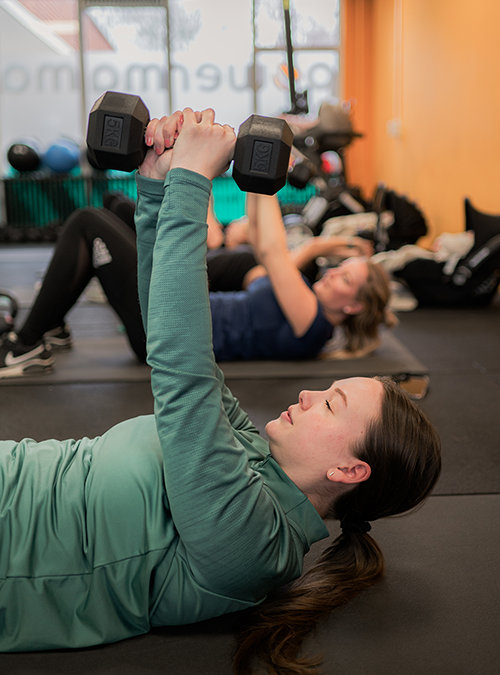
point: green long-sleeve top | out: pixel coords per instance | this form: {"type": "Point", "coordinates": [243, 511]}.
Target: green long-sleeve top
{"type": "Point", "coordinates": [166, 519]}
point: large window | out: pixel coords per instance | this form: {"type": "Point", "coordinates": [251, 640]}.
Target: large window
{"type": "Point", "coordinates": [229, 55]}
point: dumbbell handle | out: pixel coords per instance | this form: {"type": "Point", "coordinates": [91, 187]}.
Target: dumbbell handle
{"type": "Point", "coordinates": [115, 140]}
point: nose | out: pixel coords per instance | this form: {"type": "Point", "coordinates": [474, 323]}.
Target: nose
{"type": "Point", "coordinates": [306, 399]}
{"type": "Point", "coordinates": [333, 272]}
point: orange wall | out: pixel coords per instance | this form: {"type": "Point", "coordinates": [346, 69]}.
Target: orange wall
{"type": "Point", "coordinates": [444, 84]}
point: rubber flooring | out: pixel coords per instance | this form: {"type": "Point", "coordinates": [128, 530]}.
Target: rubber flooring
{"type": "Point", "coordinates": [437, 612]}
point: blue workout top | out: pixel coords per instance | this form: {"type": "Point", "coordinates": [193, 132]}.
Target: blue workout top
{"type": "Point", "coordinates": [250, 325]}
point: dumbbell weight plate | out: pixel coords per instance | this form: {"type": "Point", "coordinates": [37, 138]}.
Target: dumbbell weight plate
{"type": "Point", "coordinates": [115, 140]}
{"type": "Point", "coordinates": [262, 154]}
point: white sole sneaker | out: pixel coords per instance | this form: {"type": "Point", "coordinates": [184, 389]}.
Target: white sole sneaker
{"type": "Point", "coordinates": [31, 367]}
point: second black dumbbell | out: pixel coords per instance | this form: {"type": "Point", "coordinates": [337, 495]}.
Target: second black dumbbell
{"type": "Point", "coordinates": [115, 140]}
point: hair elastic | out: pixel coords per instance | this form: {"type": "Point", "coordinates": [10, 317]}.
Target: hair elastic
{"type": "Point", "coordinates": [351, 525]}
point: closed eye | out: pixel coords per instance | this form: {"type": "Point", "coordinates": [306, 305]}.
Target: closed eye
{"type": "Point", "coordinates": [328, 404]}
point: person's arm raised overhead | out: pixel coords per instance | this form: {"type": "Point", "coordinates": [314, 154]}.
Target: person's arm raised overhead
{"type": "Point", "coordinates": [296, 299]}
{"type": "Point", "coordinates": [227, 520]}
{"type": "Point", "coordinates": [160, 137]}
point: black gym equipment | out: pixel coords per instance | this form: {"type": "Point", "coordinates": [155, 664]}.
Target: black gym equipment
{"type": "Point", "coordinates": [24, 157]}
{"type": "Point", "coordinates": [115, 140]}
{"type": "Point", "coordinates": [476, 278]}
{"type": "Point", "coordinates": [332, 132]}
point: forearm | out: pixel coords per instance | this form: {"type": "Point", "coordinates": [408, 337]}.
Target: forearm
{"type": "Point", "coordinates": [318, 246]}
{"type": "Point", "coordinates": [179, 289]}
{"type": "Point", "coordinates": [150, 194]}
{"type": "Point", "coordinates": [301, 256]}
{"type": "Point", "coordinates": [251, 213]}
{"type": "Point", "coordinates": [215, 236]}
{"type": "Point", "coordinates": [305, 253]}
{"type": "Point", "coordinates": [266, 223]}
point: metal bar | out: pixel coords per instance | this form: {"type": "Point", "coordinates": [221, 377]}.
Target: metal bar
{"type": "Point", "coordinates": [254, 54]}
{"type": "Point", "coordinates": [298, 101]}
{"type": "Point", "coordinates": [289, 53]}
{"type": "Point", "coordinates": [83, 90]}
{"type": "Point", "coordinates": [169, 64]}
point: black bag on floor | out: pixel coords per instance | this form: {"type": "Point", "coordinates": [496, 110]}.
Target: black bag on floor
{"type": "Point", "coordinates": [408, 225]}
{"type": "Point", "coordinates": [476, 277]}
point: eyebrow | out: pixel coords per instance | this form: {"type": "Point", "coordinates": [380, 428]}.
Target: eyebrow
{"type": "Point", "coordinates": [339, 391]}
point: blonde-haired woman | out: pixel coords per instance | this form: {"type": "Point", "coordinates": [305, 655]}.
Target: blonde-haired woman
{"type": "Point", "coordinates": [281, 315]}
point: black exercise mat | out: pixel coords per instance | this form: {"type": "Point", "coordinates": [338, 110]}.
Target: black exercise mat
{"type": "Point", "coordinates": [110, 359]}
{"type": "Point", "coordinates": [391, 358]}
{"type": "Point", "coordinates": [435, 613]}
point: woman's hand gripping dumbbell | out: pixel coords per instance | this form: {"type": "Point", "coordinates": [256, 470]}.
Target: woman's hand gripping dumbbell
{"type": "Point", "coordinates": [188, 140]}
{"type": "Point", "coordinates": [115, 140]}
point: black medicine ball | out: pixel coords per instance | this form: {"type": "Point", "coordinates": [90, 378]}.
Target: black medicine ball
{"type": "Point", "coordinates": [23, 157]}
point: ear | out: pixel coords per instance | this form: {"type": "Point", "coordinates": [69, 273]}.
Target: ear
{"type": "Point", "coordinates": [354, 308]}
{"type": "Point", "coordinates": [357, 472]}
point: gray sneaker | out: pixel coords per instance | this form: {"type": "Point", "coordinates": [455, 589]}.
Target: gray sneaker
{"type": "Point", "coordinates": [17, 359]}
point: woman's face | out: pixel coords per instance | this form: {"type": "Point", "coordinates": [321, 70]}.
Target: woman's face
{"type": "Point", "coordinates": [339, 286]}
{"type": "Point", "coordinates": [314, 436]}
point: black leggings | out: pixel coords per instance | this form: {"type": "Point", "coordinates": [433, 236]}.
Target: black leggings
{"type": "Point", "coordinates": [227, 267]}
{"type": "Point", "coordinates": [94, 242]}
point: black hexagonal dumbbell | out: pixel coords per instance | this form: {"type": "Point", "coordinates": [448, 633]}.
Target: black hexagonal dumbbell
{"type": "Point", "coordinates": [115, 140]}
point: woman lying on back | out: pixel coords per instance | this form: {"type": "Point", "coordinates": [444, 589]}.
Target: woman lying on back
{"type": "Point", "coordinates": [189, 513]}
{"type": "Point", "coordinates": [274, 313]}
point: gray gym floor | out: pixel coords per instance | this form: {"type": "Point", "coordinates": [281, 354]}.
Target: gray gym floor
{"type": "Point", "coordinates": [437, 612]}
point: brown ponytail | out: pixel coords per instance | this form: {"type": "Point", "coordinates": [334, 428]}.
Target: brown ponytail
{"type": "Point", "coordinates": [403, 450]}
{"type": "Point", "coordinates": [352, 563]}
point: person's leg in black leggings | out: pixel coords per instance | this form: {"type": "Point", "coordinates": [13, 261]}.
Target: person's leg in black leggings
{"type": "Point", "coordinates": [93, 243]}
{"type": "Point", "coordinates": [121, 205]}
{"type": "Point", "coordinates": [227, 267]}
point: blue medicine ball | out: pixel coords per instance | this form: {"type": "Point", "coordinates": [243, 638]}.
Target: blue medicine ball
{"type": "Point", "coordinates": [62, 156]}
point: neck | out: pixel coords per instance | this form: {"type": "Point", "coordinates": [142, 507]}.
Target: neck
{"type": "Point", "coordinates": [334, 317]}
{"type": "Point", "coordinates": [325, 495]}
{"type": "Point", "coordinates": [322, 506]}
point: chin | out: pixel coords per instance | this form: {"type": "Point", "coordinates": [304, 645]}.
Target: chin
{"type": "Point", "coordinates": [271, 429]}
{"type": "Point", "coordinates": [269, 426]}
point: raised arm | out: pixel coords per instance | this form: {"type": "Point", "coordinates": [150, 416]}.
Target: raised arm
{"type": "Point", "coordinates": [297, 301]}
{"type": "Point", "coordinates": [231, 528]}
{"type": "Point", "coordinates": [160, 137]}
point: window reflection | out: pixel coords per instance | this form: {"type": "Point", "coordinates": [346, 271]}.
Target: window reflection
{"type": "Point", "coordinates": [315, 23]}
{"type": "Point", "coordinates": [173, 54]}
